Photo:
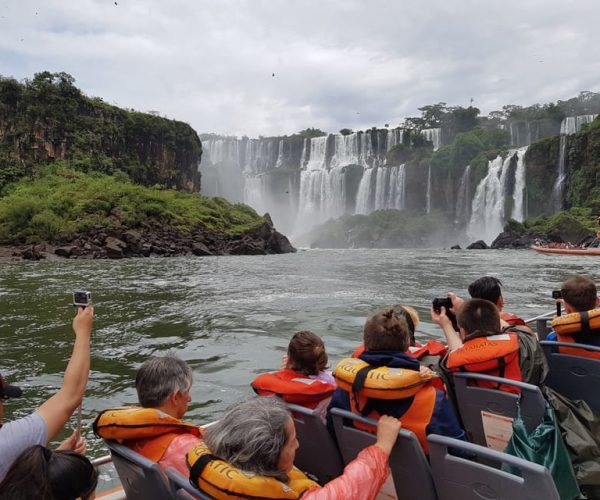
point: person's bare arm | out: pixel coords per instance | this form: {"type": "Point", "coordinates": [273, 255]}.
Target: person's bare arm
{"type": "Point", "coordinates": [57, 410]}
{"type": "Point", "coordinates": [452, 338]}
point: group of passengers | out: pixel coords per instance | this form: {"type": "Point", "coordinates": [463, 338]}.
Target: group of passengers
{"type": "Point", "coordinates": [255, 441]}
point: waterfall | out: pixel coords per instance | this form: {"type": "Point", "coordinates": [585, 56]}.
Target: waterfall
{"type": "Point", "coordinates": [428, 197]}
{"type": "Point", "coordinates": [279, 162]}
{"type": "Point", "coordinates": [363, 197]}
{"type": "Point", "coordinates": [220, 150]}
{"type": "Point", "coordinates": [462, 212]}
{"type": "Point", "coordinates": [318, 153]}
{"type": "Point", "coordinates": [394, 137]}
{"type": "Point", "coordinates": [254, 194]}
{"type": "Point", "coordinates": [389, 188]}
{"type": "Point", "coordinates": [322, 195]}
{"type": "Point", "coordinates": [346, 150]}
{"type": "Point", "coordinates": [487, 209]}
{"type": "Point", "coordinates": [519, 202]}
{"type": "Point", "coordinates": [433, 135]}
{"type": "Point", "coordinates": [303, 158]}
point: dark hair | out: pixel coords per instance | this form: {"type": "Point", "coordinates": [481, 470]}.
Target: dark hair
{"type": "Point", "coordinates": [487, 288]}
{"type": "Point", "coordinates": [49, 475]}
{"type": "Point", "coordinates": [306, 353]}
{"type": "Point", "coordinates": [580, 293]}
{"type": "Point", "coordinates": [386, 330]}
{"type": "Point", "coordinates": [479, 317]}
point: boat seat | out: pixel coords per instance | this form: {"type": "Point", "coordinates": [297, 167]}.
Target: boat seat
{"type": "Point", "coordinates": [142, 479]}
{"type": "Point", "coordinates": [575, 377]}
{"type": "Point", "coordinates": [181, 486]}
{"type": "Point", "coordinates": [472, 400]}
{"type": "Point", "coordinates": [457, 477]}
{"type": "Point", "coordinates": [411, 473]}
{"type": "Point", "coordinates": [318, 454]}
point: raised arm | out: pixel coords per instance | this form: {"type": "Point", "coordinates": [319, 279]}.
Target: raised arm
{"type": "Point", "coordinates": [57, 410]}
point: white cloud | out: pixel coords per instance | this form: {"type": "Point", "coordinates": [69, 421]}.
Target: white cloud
{"type": "Point", "coordinates": [336, 63]}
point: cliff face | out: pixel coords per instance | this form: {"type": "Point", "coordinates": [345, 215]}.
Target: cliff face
{"type": "Point", "coordinates": [49, 119]}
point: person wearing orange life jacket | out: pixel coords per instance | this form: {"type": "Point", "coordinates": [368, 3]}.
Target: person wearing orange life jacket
{"type": "Point", "coordinates": [420, 407]}
{"type": "Point", "coordinates": [304, 378]}
{"type": "Point", "coordinates": [581, 323]}
{"type": "Point", "coordinates": [250, 453]}
{"type": "Point", "coordinates": [163, 386]}
{"type": "Point", "coordinates": [488, 288]}
{"type": "Point", "coordinates": [483, 346]}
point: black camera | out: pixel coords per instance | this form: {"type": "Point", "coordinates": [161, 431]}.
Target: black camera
{"type": "Point", "coordinates": [556, 294]}
{"type": "Point", "coordinates": [438, 303]}
{"type": "Point", "coordinates": [82, 298]}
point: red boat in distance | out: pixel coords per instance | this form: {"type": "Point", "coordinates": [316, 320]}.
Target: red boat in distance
{"type": "Point", "coordinates": [567, 251]}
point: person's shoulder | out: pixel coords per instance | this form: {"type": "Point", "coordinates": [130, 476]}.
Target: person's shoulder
{"type": "Point", "coordinates": [32, 420]}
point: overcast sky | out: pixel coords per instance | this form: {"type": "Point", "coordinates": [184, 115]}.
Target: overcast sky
{"type": "Point", "coordinates": [336, 64]}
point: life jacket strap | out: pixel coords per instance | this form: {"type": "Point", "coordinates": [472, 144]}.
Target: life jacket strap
{"type": "Point", "coordinates": [358, 385]}
{"type": "Point", "coordinates": [197, 469]}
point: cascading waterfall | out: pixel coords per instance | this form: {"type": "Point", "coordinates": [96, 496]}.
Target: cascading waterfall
{"type": "Point", "coordinates": [519, 202]}
{"type": "Point", "coordinates": [346, 151]}
{"type": "Point", "coordinates": [363, 197]}
{"type": "Point", "coordinates": [462, 211]}
{"type": "Point", "coordinates": [428, 197]}
{"type": "Point", "coordinates": [433, 135]}
{"type": "Point", "coordinates": [487, 209]}
{"type": "Point", "coordinates": [254, 194]}
{"type": "Point", "coordinates": [389, 188]}
{"type": "Point", "coordinates": [394, 137]}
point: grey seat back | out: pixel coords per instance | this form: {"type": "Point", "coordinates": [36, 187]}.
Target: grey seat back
{"type": "Point", "coordinates": [142, 479]}
{"type": "Point", "coordinates": [575, 377]}
{"type": "Point", "coordinates": [472, 400]}
{"type": "Point", "coordinates": [410, 470]}
{"type": "Point", "coordinates": [181, 486]}
{"type": "Point", "coordinates": [318, 454]}
{"type": "Point", "coordinates": [459, 478]}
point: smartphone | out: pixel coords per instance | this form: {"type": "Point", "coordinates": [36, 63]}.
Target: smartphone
{"type": "Point", "coordinates": [82, 298]}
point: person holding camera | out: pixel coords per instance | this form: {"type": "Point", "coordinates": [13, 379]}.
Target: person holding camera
{"type": "Point", "coordinates": [48, 420]}
{"type": "Point", "coordinates": [581, 323]}
{"type": "Point", "coordinates": [482, 345]}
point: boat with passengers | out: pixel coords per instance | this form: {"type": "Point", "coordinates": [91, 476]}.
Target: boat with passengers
{"type": "Point", "coordinates": [487, 415]}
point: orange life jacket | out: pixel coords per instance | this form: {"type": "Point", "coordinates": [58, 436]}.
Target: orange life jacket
{"type": "Point", "coordinates": [389, 384]}
{"type": "Point", "coordinates": [150, 429]}
{"type": "Point", "coordinates": [580, 328]}
{"type": "Point", "coordinates": [496, 355]}
{"type": "Point", "coordinates": [512, 319]}
{"type": "Point", "coordinates": [293, 387]}
{"type": "Point", "coordinates": [415, 419]}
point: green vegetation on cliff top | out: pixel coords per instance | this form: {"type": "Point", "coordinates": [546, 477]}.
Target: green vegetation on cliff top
{"type": "Point", "coordinates": [61, 202]}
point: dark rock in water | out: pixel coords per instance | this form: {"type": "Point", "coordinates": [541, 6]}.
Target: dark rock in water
{"type": "Point", "coordinates": [65, 251]}
{"type": "Point", "coordinates": [200, 249]}
{"type": "Point", "coordinates": [478, 245]}
{"type": "Point", "coordinates": [33, 252]}
{"type": "Point", "coordinates": [278, 243]}
{"type": "Point", "coordinates": [455, 247]}
{"type": "Point", "coordinates": [114, 247]}
{"type": "Point", "coordinates": [246, 246]}
{"type": "Point", "coordinates": [510, 239]}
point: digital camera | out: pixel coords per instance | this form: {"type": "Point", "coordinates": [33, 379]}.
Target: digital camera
{"type": "Point", "coordinates": [556, 294]}
{"type": "Point", "coordinates": [82, 298]}
{"type": "Point", "coordinates": [440, 302]}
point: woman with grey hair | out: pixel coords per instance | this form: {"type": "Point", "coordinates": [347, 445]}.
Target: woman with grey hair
{"type": "Point", "coordinates": [156, 430]}
{"type": "Point", "coordinates": [251, 451]}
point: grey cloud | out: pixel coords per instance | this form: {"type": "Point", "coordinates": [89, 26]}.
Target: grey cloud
{"type": "Point", "coordinates": [211, 63]}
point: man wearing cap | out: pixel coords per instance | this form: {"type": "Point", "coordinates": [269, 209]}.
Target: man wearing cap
{"type": "Point", "coordinates": [46, 421]}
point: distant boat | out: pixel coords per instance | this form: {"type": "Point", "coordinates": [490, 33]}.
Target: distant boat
{"type": "Point", "coordinates": [567, 251]}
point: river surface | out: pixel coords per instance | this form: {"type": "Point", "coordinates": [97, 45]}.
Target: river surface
{"type": "Point", "coordinates": [231, 318]}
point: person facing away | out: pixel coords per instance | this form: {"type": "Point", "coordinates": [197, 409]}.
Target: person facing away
{"type": "Point", "coordinates": [483, 347]}
{"type": "Point", "coordinates": [258, 439]}
{"type": "Point", "coordinates": [304, 378]}
{"type": "Point", "coordinates": [489, 288]}
{"type": "Point", "coordinates": [581, 323]}
{"type": "Point", "coordinates": [426, 411]}
{"type": "Point", "coordinates": [47, 421]}
{"type": "Point", "coordinates": [156, 430]}
{"type": "Point", "coordinates": [43, 474]}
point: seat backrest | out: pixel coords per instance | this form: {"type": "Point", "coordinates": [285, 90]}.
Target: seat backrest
{"type": "Point", "coordinates": [142, 479]}
{"type": "Point", "coordinates": [472, 400]}
{"type": "Point", "coordinates": [575, 377]}
{"type": "Point", "coordinates": [460, 478]}
{"type": "Point", "coordinates": [318, 454]}
{"type": "Point", "coordinates": [410, 470]}
{"type": "Point", "coordinates": [181, 486]}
